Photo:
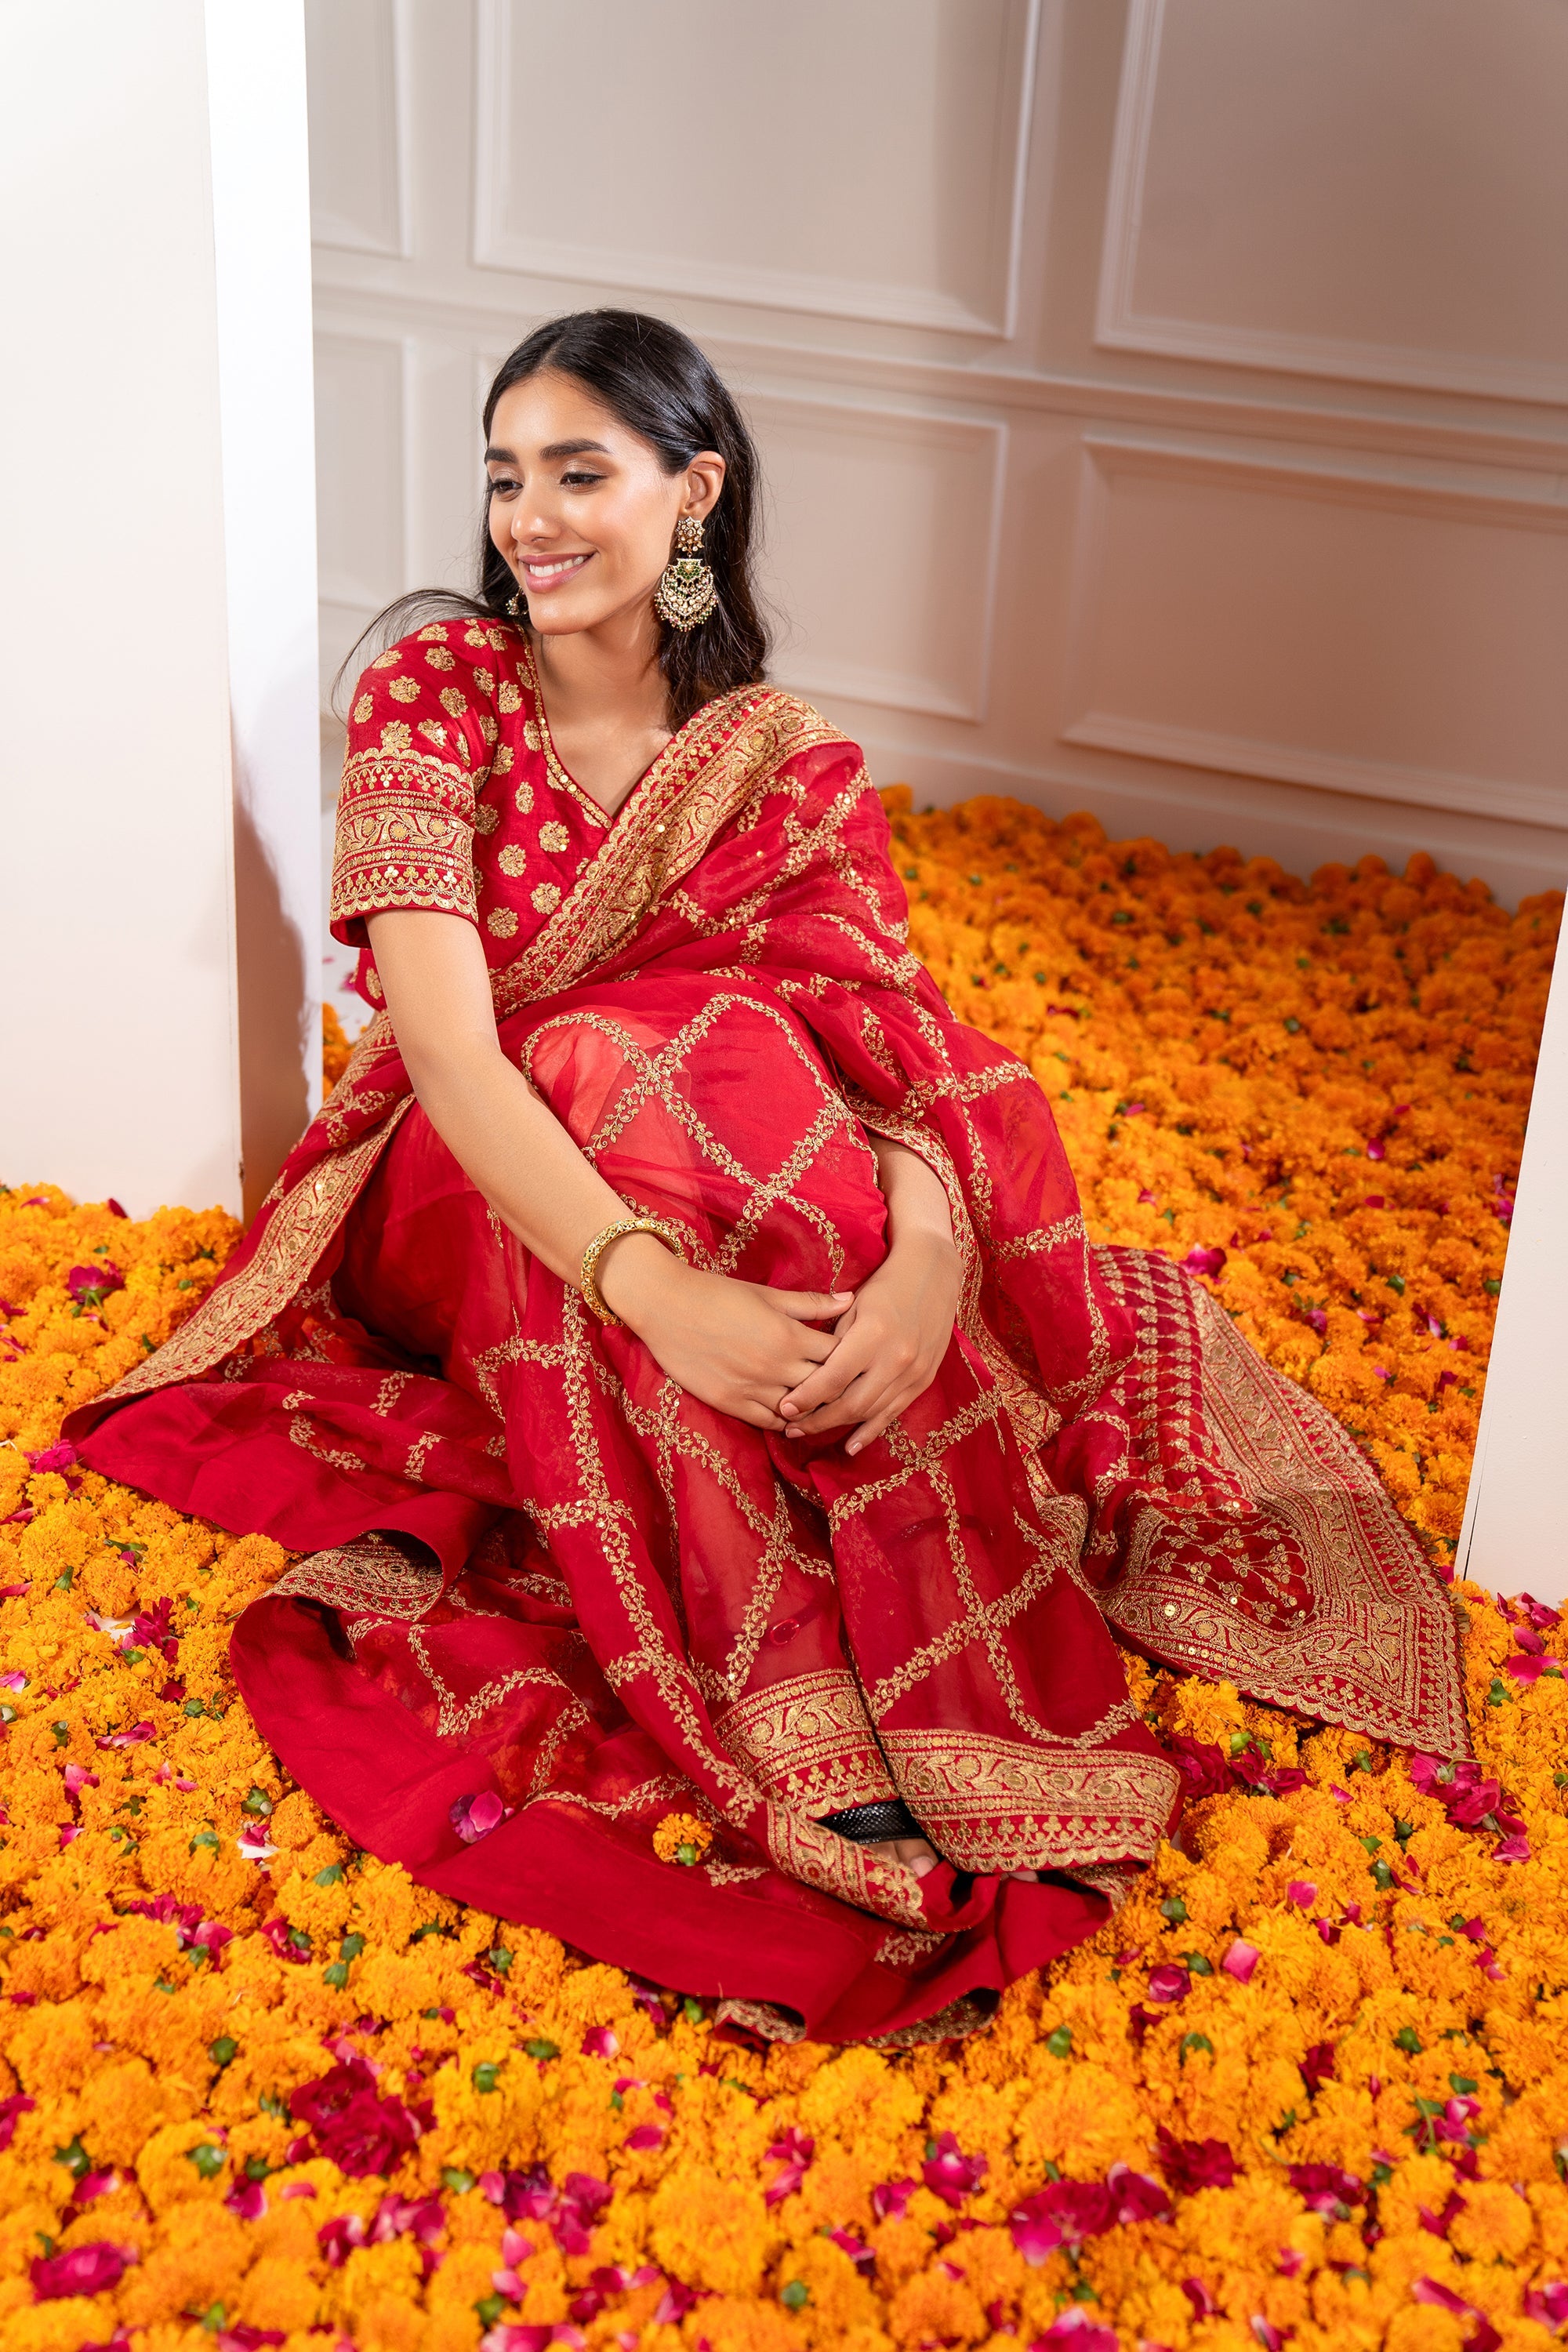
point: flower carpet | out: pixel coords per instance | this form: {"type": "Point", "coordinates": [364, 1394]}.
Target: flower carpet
{"type": "Point", "coordinates": [1310, 2088]}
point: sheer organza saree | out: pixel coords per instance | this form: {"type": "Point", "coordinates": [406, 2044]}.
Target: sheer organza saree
{"type": "Point", "coordinates": [549, 1607]}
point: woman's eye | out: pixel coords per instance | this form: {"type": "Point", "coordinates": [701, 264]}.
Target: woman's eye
{"type": "Point", "coordinates": [502, 483]}
{"type": "Point", "coordinates": [577, 480]}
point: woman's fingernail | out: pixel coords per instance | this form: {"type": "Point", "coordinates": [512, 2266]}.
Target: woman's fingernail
{"type": "Point", "coordinates": [853, 1446]}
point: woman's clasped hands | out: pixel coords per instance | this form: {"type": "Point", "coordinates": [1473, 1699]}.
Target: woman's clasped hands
{"type": "Point", "coordinates": [761, 1355]}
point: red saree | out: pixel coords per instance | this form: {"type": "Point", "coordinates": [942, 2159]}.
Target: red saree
{"type": "Point", "coordinates": [539, 1575]}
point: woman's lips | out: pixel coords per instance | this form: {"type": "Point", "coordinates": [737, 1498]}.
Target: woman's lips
{"type": "Point", "coordinates": [540, 578]}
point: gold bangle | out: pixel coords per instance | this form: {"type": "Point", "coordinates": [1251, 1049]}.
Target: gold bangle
{"type": "Point", "coordinates": [600, 1242]}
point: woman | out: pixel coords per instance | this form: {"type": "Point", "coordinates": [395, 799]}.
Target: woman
{"type": "Point", "coordinates": [676, 1346]}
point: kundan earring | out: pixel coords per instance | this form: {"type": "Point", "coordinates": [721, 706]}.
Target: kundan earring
{"type": "Point", "coordinates": [517, 605]}
{"type": "Point", "coordinates": [687, 592]}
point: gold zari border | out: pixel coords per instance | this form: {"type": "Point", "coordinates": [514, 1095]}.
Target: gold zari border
{"type": "Point", "coordinates": [994, 1804]}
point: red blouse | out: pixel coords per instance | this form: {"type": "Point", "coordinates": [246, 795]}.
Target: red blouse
{"type": "Point", "coordinates": [453, 798]}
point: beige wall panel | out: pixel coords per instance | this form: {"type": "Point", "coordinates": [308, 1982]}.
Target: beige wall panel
{"type": "Point", "coordinates": [1326, 188]}
{"type": "Point", "coordinates": [907, 502]}
{"type": "Point", "coordinates": [357, 52]}
{"type": "Point", "coordinates": [1324, 627]}
{"type": "Point", "coordinates": [860, 158]}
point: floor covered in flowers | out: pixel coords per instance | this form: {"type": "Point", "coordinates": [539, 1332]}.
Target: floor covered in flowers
{"type": "Point", "coordinates": [1310, 2087]}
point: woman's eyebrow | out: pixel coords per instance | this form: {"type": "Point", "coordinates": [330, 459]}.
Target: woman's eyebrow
{"type": "Point", "coordinates": [573, 449]}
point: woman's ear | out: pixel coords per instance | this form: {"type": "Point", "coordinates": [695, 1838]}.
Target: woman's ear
{"type": "Point", "coordinates": [704, 480]}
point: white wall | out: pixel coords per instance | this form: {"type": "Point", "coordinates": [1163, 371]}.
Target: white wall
{"type": "Point", "coordinates": [1513, 1538]}
{"type": "Point", "coordinates": [1163, 400]}
{"type": "Point", "coordinates": [133, 1062]}
{"type": "Point", "coordinates": [261, 215]}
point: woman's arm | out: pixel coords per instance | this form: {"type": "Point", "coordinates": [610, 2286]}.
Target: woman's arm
{"type": "Point", "coordinates": [736, 1345]}
{"type": "Point", "coordinates": [892, 1340]}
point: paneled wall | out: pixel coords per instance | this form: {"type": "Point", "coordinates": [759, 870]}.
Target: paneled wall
{"type": "Point", "coordinates": [1164, 401]}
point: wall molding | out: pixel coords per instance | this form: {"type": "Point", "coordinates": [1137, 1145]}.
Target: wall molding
{"type": "Point", "coordinates": [819, 674]}
{"type": "Point", "coordinates": [639, 269]}
{"type": "Point", "coordinates": [338, 587]}
{"type": "Point", "coordinates": [354, 306]}
{"type": "Point", "coordinates": [335, 231]}
{"type": "Point", "coordinates": [1106, 456]}
{"type": "Point", "coordinates": [1121, 326]}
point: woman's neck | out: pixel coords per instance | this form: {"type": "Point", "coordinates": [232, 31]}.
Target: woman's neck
{"type": "Point", "coordinates": [605, 700]}
{"type": "Point", "coordinates": [608, 678]}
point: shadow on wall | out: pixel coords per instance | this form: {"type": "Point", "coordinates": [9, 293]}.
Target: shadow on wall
{"type": "Point", "coordinates": [279, 1011]}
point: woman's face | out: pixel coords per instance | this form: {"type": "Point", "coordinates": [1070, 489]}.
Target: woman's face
{"type": "Point", "coordinates": [581, 507]}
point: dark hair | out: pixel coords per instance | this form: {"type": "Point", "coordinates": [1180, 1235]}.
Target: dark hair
{"type": "Point", "coordinates": [657, 382]}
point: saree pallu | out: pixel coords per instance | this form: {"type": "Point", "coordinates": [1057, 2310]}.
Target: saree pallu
{"type": "Point", "coordinates": [545, 1589]}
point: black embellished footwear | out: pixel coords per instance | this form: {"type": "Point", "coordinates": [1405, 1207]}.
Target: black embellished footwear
{"type": "Point", "coordinates": [874, 1824]}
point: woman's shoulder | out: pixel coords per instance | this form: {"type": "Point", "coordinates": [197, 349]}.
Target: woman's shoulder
{"type": "Point", "coordinates": [486, 656]}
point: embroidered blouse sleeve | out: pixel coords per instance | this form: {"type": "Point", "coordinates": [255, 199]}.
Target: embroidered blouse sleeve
{"type": "Point", "coordinates": [418, 751]}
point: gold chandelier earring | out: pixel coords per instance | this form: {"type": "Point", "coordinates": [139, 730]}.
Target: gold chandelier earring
{"type": "Point", "coordinates": [688, 592]}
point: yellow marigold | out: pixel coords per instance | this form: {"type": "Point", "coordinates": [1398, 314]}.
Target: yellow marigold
{"type": "Point", "coordinates": [681, 1837]}
{"type": "Point", "coordinates": [711, 2231]}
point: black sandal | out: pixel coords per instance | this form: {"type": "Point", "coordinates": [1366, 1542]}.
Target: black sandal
{"type": "Point", "coordinates": [874, 1824]}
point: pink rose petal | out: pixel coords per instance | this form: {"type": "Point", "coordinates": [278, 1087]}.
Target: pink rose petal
{"type": "Point", "coordinates": [1240, 1960]}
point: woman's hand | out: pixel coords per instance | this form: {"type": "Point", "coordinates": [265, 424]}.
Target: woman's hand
{"type": "Point", "coordinates": [888, 1345]}
{"type": "Point", "coordinates": [736, 1345]}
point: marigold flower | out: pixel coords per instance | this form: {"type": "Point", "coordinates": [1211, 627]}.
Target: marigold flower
{"type": "Point", "coordinates": [681, 1837]}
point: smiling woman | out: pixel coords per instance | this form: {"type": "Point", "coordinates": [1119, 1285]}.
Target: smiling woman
{"type": "Point", "coordinates": [677, 1350]}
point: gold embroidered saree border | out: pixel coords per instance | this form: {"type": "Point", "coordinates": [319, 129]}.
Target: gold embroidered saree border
{"type": "Point", "coordinates": [299, 1230]}
{"type": "Point", "coordinates": [808, 1741]}
{"type": "Point", "coordinates": [994, 1804]}
{"type": "Point", "coordinates": [1376, 1651]}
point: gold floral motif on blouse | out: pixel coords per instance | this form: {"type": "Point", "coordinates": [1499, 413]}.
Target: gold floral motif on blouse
{"type": "Point", "coordinates": [554, 838]}
{"type": "Point", "coordinates": [503, 921]}
{"type": "Point", "coordinates": [513, 859]}
{"type": "Point", "coordinates": [546, 896]}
